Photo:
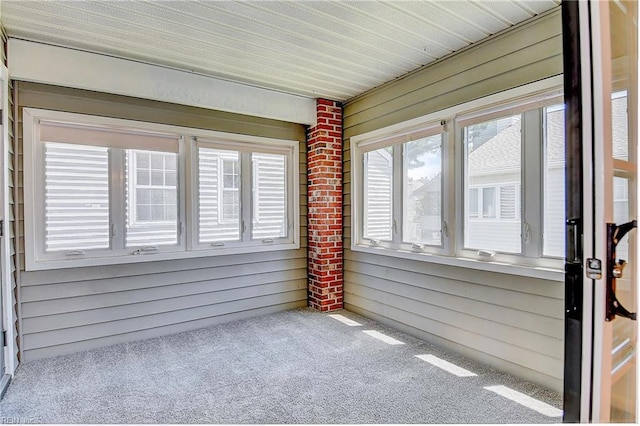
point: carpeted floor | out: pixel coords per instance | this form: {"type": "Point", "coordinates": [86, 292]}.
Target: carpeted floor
{"type": "Point", "coordinates": [297, 366]}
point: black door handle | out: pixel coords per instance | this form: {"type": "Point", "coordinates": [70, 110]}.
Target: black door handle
{"type": "Point", "coordinates": [615, 267]}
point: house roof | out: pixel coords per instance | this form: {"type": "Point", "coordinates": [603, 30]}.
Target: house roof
{"type": "Point", "coordinates": [329, 49]}
{"type": "Point", "coordinates": [501, 153]}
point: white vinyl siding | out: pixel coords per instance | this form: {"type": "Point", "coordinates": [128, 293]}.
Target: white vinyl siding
{"type": "Point", "coordinates": [378, 194]}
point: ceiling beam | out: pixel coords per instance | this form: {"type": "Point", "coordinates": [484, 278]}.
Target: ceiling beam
{"type": "Point", "coordinates": [42, 63]}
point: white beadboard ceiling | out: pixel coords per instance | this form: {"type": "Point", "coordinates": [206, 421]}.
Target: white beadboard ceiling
{"type": "Point", "coordinates": [329, 49]}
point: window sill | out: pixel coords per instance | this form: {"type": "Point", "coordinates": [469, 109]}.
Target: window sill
{"type": "Point", "coordinates": [550, 274]}
{"type": "Point", "coordinates": [42, 265]}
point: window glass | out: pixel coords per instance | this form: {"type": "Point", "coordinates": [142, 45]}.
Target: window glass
{"type": "Point", "coordinates": [76, 186]}
{"type": "Point", "coordinates": [493, 179]}
{"type": "Point", "coordinates": [422, 191]}
{"type": "Point", "coordinates": [218, 195]}
{"type": "Point", "coordinates": [472, 204]}
{"type": "Point", "coordinates": [489, 202]}
{"type": "Point", "coordinates": [151, 198]}
{"type": "Point", "coordinates": [269, 196]}
{"type": "Point", "coordinates": [378, 194]}
{"type": "Point", "coordinates": [554, 182]}
{"type": "Point", "coordinates": [621, 212]}
{"type": "Point", "coordinates": [620, 125]}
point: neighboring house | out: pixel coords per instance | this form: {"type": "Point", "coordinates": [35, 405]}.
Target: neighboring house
{"type": "Point", "coordinates": [423, 217]}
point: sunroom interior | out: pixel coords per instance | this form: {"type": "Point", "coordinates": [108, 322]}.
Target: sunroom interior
{"type": "Point", "coordinates": [172, 166]}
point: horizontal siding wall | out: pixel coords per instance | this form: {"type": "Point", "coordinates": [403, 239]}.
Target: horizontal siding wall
{"type": "Point", "coordinates": [515, 324]}
{"type": "Point", "coordinates": [64, 311]}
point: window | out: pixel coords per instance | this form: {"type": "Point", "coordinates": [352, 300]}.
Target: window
{"type": "Point", "coordinates": [76, 197]}
{"type": "Point", "coordinates": [554, 186]}
{"type": "Point", "coordinates": [402, 190]}
{"type": "Point", "coordinates": [460, 187]}
{"type": "Point", "coordinates": [152, 198]}
{"type": "Point", "coordinates": [245, 195]}
{"type": "Point", "coordinates": [516, 217]}
{"type": "Point", "coordinates": [493, 151]}
{"type": "Point", "coordinates": [422, 191]}
{"type": "Point", "coordinates": [102, 191]}
{"type": "Point", "coordinates": [86, 211]}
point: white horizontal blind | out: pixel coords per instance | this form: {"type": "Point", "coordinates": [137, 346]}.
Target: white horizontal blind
{"type": "Point", "coordinates": [211, 227]}
{"type": "Point", "coordinates": [76, 197]}
{"type": "Point", "coordinates": [509, 202]}
{"type": "Point", "coordinates": [269, 196]}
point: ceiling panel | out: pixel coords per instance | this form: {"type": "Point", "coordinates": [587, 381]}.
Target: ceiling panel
{"type": "Point", "coordinates": [331, 49]}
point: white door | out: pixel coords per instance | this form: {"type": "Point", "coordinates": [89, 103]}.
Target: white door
{"type": "Point", "coordinates": [610, 203]}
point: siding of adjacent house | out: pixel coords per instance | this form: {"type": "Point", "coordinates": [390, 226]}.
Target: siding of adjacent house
{"type": "Point", "coordinates": [69, 310]}
{"type": "Point", "coordinates": [512, 323]}
{"type": "Point", "coordinates": [377, 223]}
{"type": "Point", "coordinates": [12, 178]}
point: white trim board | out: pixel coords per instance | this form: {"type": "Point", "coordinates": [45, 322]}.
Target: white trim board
{"type": "Point", "coordinates": [60, 66]}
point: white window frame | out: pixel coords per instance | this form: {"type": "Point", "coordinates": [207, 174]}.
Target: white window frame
{"type": "Point", "coordinates": [396, 140]}
{"type": "Point", "coordinates": [246, 145]}
{"type": "Point", "coordinates": [530, 262]}
{"type": "Point", "coordinates": [36, 258]}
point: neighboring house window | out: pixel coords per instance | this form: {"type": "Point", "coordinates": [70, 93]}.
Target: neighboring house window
{"type": "Point", "coordinates": [507, 203]}
{"type": "Point", "coordinates": [104, 191]}
{"type": "Point", "coordinates": [402, 190]}
{"type": "Point", "coordinates": [152, 198]}
{"type": "Point", "coordinates": [230, 188]}
{"type": "Point", "coordinates": [414, 193]}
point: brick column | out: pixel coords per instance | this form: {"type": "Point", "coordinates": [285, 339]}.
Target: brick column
{"type": "Point", "coordinates": [324, 174]}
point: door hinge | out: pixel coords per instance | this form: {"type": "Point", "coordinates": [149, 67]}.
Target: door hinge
{"type": "Point", "coordinates": [1, 228]}
{"type": "Point", "coordinates": [4, 337]}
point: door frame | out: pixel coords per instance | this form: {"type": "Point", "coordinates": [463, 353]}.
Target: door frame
{"type": "Point", "coordinates": [587, 381]}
